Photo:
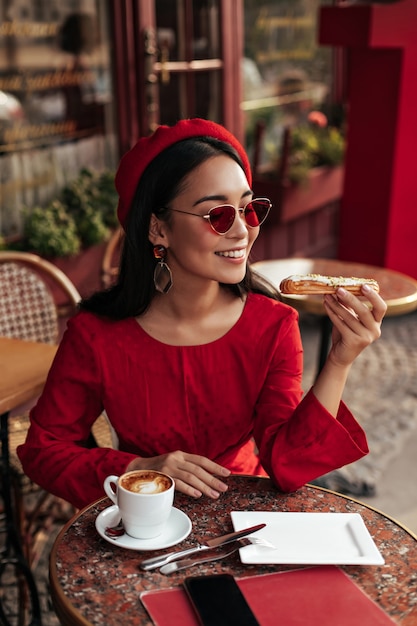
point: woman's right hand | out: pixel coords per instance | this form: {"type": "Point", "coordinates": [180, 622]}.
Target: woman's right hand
{"type": "Point", "coordinates": [194, 475]}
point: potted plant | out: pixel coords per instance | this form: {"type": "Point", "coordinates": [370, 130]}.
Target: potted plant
{"type": "Point", "coordinates": [72, 230]}
{"type": "Point", "coordinates": [51, 231]}
{"type": "Point", "coordinates": [91, 200]}
{"type": "Point", "coordinates": [313, 146]}
{"type": "Point", "coordinates": [309, 172]}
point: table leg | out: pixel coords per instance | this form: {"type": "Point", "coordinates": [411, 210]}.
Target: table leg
{"type": "Point", "coordinates": [12, 553]}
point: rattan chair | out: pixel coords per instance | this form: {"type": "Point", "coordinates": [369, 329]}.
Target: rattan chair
{"type": "Point", "coordinates": [35, 299]}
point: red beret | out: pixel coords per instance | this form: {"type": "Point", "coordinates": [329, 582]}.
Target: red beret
{"type": "Point", "coordinates": [134, 162]}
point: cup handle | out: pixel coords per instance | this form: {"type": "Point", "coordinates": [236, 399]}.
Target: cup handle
{"type": "Point", "coordinates": [108, 487]}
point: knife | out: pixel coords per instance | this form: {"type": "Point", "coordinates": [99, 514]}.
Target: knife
{"type": "Point", "coordinates": [209, 544]}
{"type": "Point", "coordinates": [175, 566]}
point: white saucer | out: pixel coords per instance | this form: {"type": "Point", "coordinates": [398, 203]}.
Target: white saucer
{"type": "Point", "coordinates": [178, 528]}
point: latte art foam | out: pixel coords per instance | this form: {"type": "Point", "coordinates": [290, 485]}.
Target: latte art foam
{"type": "Point", "coordinates": [147, 483]}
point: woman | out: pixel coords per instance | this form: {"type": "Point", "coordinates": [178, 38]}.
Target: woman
{"type": "Point", "coordinates": [196, 363]}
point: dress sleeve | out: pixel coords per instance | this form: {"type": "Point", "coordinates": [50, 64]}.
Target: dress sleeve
{"type": "Point", "coordinates": [297, 438]}
{"type": "Point", "coordinates": [54, 455]}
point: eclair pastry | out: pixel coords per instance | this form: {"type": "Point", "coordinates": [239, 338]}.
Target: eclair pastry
{"type": "Point", "coordinates": [317, 284]}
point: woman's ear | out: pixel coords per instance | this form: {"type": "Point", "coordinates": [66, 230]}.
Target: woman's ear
{"type": "Point", "coordinates": [157, 232]}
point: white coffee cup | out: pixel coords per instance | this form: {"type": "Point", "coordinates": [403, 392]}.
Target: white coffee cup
{"type": "Point", "coordinates": [144, 498]}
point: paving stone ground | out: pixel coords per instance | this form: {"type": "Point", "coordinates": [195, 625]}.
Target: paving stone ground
{"type": "Point", "coordinates": [382, 393]}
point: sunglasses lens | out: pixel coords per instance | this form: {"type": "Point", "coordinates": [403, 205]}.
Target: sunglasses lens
{"type": "Point", "coordinates": [257, 211]}
{"type": "Point", "coordinates": [222, 218]}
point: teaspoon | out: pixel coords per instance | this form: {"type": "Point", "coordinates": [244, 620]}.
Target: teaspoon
{"type": "Point", "coordinates": [115, 531]}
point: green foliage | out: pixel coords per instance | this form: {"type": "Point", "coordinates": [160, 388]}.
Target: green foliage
{"type": "Point", "coordinates": [91, 200]}
{"type": "Point", "coordinates": [51, 231]}
{"type": "Point", "coordinates": [82, 216]}
{"type": "Point", "coordinates": [312, 146]}
{"type": "Point", "coordinates": [90, 226]}
{"type": "Point", "coordinates": [107, 198]}
{"type": "Point", "coordinates": [331, 147]}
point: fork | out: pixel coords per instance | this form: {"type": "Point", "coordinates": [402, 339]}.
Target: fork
{"type": "Point", "coordinates": [175, 566]}
{"type": "Point", "coordinates": [264, 543]}
{"type": "Point", "coordinates": [169, 568]}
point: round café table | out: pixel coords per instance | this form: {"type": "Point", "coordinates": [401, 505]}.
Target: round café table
{"type": "Point", "coordinates": [24, 366]}
{"type": "Point", "coordinates": [398, 290]}
{"type": "Point", "coordinates": [94, 582]}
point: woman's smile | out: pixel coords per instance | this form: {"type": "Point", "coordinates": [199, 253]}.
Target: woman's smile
{"type": "Point", "coordinates": [233, 254]}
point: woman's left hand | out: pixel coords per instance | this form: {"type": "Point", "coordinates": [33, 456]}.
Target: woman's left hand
{"type": "Point", "coordinates": [355, 324]}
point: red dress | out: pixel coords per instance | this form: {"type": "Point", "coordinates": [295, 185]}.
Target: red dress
{"type": "Point", "coordinates": [214, 399]}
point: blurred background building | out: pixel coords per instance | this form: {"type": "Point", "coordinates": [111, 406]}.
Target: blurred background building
{"type": "Point", "coordinates": [82, 80]}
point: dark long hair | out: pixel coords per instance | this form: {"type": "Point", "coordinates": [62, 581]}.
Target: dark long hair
{"type": "Point", "coordinates": [160, 184]}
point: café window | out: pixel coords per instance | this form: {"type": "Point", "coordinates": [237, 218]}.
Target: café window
{"type": "Point", "coordinates": [56, 104]}
{"type": "Point", "coordinates": [286, 74]}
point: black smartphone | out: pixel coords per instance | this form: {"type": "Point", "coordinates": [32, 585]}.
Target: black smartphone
{"type": "Point", "coordinates": [218, 601]}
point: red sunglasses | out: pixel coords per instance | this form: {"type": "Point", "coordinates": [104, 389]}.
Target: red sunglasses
{"type": "Point", "coordinates": [221, 218]}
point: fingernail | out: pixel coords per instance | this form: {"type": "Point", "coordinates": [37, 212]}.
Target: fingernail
{"type": "Point", "coordinates": [197, 494]}
{"type": "Point", "coordinates": [366, 288]}
{"type": "Point", "coordinates": [341, 291]}
{"type": "Point", "coordinates": [214, 494]}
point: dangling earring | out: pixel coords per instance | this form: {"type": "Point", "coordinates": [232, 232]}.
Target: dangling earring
{"type": "Point", "coordinates": [162, 276]}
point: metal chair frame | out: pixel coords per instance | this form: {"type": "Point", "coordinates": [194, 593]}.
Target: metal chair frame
{"type": "Point", "coordinates": [27, 298]}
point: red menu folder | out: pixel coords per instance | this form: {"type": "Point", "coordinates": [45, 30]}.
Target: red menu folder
{"type": "Point", "coordinates": [317, 596]}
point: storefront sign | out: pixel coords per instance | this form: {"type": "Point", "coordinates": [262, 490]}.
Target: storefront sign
{"type": "Point", "coordinates": [54, 75]}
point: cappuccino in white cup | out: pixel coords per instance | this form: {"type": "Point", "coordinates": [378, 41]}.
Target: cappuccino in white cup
{"type": "Point", "coordinates": [144, 498]}
{"type": "Point", "coordinates": [145, 481]}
